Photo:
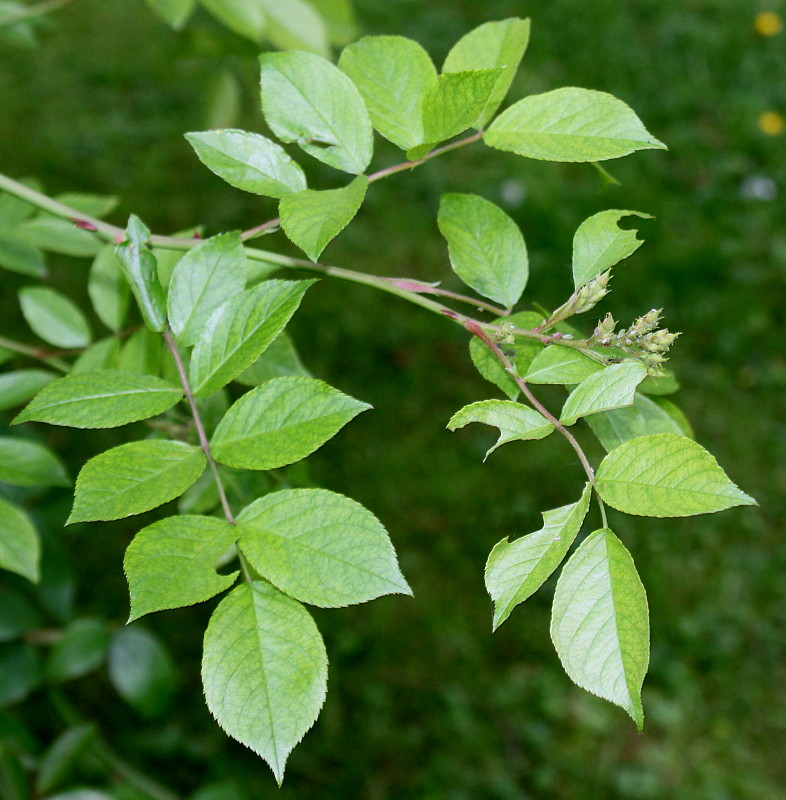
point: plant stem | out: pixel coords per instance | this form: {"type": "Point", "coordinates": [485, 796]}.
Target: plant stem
{"type": "Point", "coordinates": [49, 357]}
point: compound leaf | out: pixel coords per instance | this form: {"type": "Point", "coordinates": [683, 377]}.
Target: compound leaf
{"type": "Point", "coordinates": [612, 387]}
{"type": "Point", "coordinates": [311, 219]}
{"type": "Point", "coordinates": [54, 318]}
{"type": "Point", "coordinates": [514, 420]}
{"type": "Point", "coordinates": [599, 243]}
{"type": "Point", "coordinates": [308, 100]}
{"type": "Point", "coordinates": [249, 162]}
{"type": "Point", "coordinates": [320, 548]}
{"type": "Point", "coordinates": [561, 365]}
{"type": "Point", "coordinates": [570, 125]}
{"type": "Point", "coordinates": [101, 399]}
{"type": "Point", "coordinates": [240, 331]}
{"type": "Point", "coordinates": [600, 622]}
{"type": "Point", "coordinates": [20, 550]}
{"type": "Point", "coordinates": [500, 43]}
{"type": "Point", "coordinates": [188, 547]}
{"type": "Point", "coordinates": [487, 250]}
{"type": "Point", "coordinates": [281, 422]}
{"type": "Point", "coordinates": [204, 279]}
{"type": "Point", "coordinates": [134, 478]}
{"type": "Point", "coordinates": [666, 475]}
{"type": "Point", "coordinates": [264, 671]}
{"type": "Point", "coordinates": [516, 570]}
{"type": "Point", "coordinates": [24, 462]}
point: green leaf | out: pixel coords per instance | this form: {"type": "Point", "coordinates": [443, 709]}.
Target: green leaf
{"type": "Point", "coordinates": [320, 548]}
{"type": "Point", "coordinates": [487, 250]}
{"type": "Point", "coordinates": [54, 318]}
{"type": "Point", "coordinates": [676, 414]}
{"type": "Point", "coordinates": [140, 268]}
{"type": "Point", "coordinates": [18, 255]}
{"type": "Point", "coordinates": [393, 75]}
{"type": "Point", "coordinates": [173, 12]}
{"type": "Point", "coordinates": [561, 365]}
{"type": "Point", "coordinates": [570, 125]}
{"type": "Point", "coordinates": [247, 18]}
{"type": "Point", "coordinates": [141, 353]}
{"type": "Point", "coordinates": [339, 18]}
{"type": "Point", "coordinates": [295, 25]}
{"type": "Point", "coordinates": [204, 279]}
{"type": "Point", "coordinates": [240, 331]}
{"type": "Point", "coordinates": [59, 236]}
{"type": "Point", "coordinates": [312, 219]}
{"type": "Point", "coordinates": [521, 353]}
{"type": "Point", "coordinates": [515, 421]}
{"type": "Point", "coordinates": [20, 550]}
{"type": "Point", "coordinates": [20, 672]}
{"type": "Point", "coordinates": [493, 44]}
{"type": "Point", "coordinates": [600, 622]}
{"type": "Point", "coordinates": [644, 417]}
{"type": "Point", "coordinates": [453, 104]}
{"type": "Point", "coordinates": [92, 205]}
{"type": "Point", "coordinates": [19, 386]}
{"type": "Point", "coordinates": [666, 475]}
{"type": "Point", "coordinates": [141, 671]}
{"type": "Point", "coordinates": [134, 478]}
{"type": "Point", "coordinates": [108, 289]}
{"type": "Point", "coordinates": [278, 361]}
{"type": "Point", "coordinates": [600, 243]}
{"type": "Point", "coordinates": [103, 354]}
{"type": "Point", "coordinates": [14, 210]}
{"type": "Point", "coordinates": [13, 776]}
{"type": "Point", "coordinates": [249, 162]}
{"type": "Point", "coordinates": [24, 462]}
{"type": "Point", "coordinates": [80, 651]}
{"type": "Point", "coordinates": [61, 758]}
{"type": "Point", "coordinates": [516, 570]}
{"type": "Point", "coordinates": [187, 546]}
{"type": "Point", "coordinates": [308, 100]}
{"type": "Point", "coordinates": [101, 399]}
{"type": "Point", "coordinates": [664, 384]}
{"type": "Point", "coordinates": [264, 671]}
{"type": "Point", "coordinates": [612, 387]}
{"type": "Point", "coordinates": [281, 422]}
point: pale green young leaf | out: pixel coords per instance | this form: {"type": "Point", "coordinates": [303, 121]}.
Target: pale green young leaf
{"type": "Point", "coordinates": [516, 570]}
{"type": "Point", "coordinates": [295, 25]}
{"type": "Point", "coordinates": [103, 354]}
{"type": "Point", "coordinates": [280, 360]}
{"type": "Point", "coordinates": [570, 125]}
{"type": "Point", "coordinates": [24, 462]}
{"type": "Point", "coordinates": [320, 548]}
{"type": "Point", "coordinates": [311, 219]}
{"type": "Point", "coordinates": [620, 425]}
{"type": "Point", "coordinates": [600, 622]}
{"type": "Point", "coordinates": [452, 105]}
{"type": "Point", "coordinates": [514, 420]}
{"type": "Point", "coordinates": [281, 422]}
{"type": "Point", "coordinates": [134, 478]}
{"type": "Point", "coordinates": [108, 289]}
{"type": "Point", "coordinates": [521, 353]}
{"type": "Point", "coordinates": [204, 279]}
{"type": "Point", "coordinates": [393, 75]}
{"type": "Point", "coordinates": [339, 17]}
{"type": "Point", "coordinates": [612, 387]}
{"type": "Point", "coordinates": [20, 550]}
{"type": "Point", "coordinates": [487, 250]}
{"type": "Point", "coordinates": [666, 475]}
{"type": "Point", "coordinates": [92, 205]}
{"type": "Point", "coordinates": [187, 546]}
{"type": "Point", "coordinates": [173, 12]}
{"type": "Point", "coordinates": [499, 43]}
{"type": "Point", "coordinates": [54, 318]}
{"type": "Point", "coordinates": [17, 255]}
{"type": "Point", "coordinates": [19, 386]}
{"type": "Point", "coordinates": [240, 331]}
{"type": "Point", "coordinates": [59, 236]}
{"type": "Point", "coordinates": [101, 399]}
{"type": "Point", "coordinates": [264, 671]}
{"type": "Point", "coordinates": [141, 270]}
{"type": "Point", "coordinates": [599, 243]}
{"type": "Point", "coordinates": [246, 18]}
{"type": "Point", "coordinates": [561, 365]}
{"type": "Point", "coordinates": [249, 162]}
{"type": "Point", "coordinates": [141, 352]}
{"type": "Point", "coordinates": [308, 100]}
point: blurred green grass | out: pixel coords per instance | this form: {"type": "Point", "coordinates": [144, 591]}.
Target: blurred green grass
{"type": "Point", "coordinates": [424, 702]}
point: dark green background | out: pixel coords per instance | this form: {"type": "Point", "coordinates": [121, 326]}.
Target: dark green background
{"type": "Point", "coordinates": [424, 702]}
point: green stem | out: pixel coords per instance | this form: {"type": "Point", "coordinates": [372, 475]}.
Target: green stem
{"type": "Point", "coordinates": [47, 356]}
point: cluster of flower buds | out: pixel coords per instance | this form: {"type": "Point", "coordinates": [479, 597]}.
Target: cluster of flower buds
{"type": "Point", "coordinates": [586, 297]}
{"type": "Point", "coordinates": [642, 340]}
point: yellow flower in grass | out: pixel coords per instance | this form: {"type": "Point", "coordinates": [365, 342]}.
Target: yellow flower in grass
{"type": "Point", "coordinates": [768, 23]}
{"type": "Point", "coordinates": [771, 123]}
